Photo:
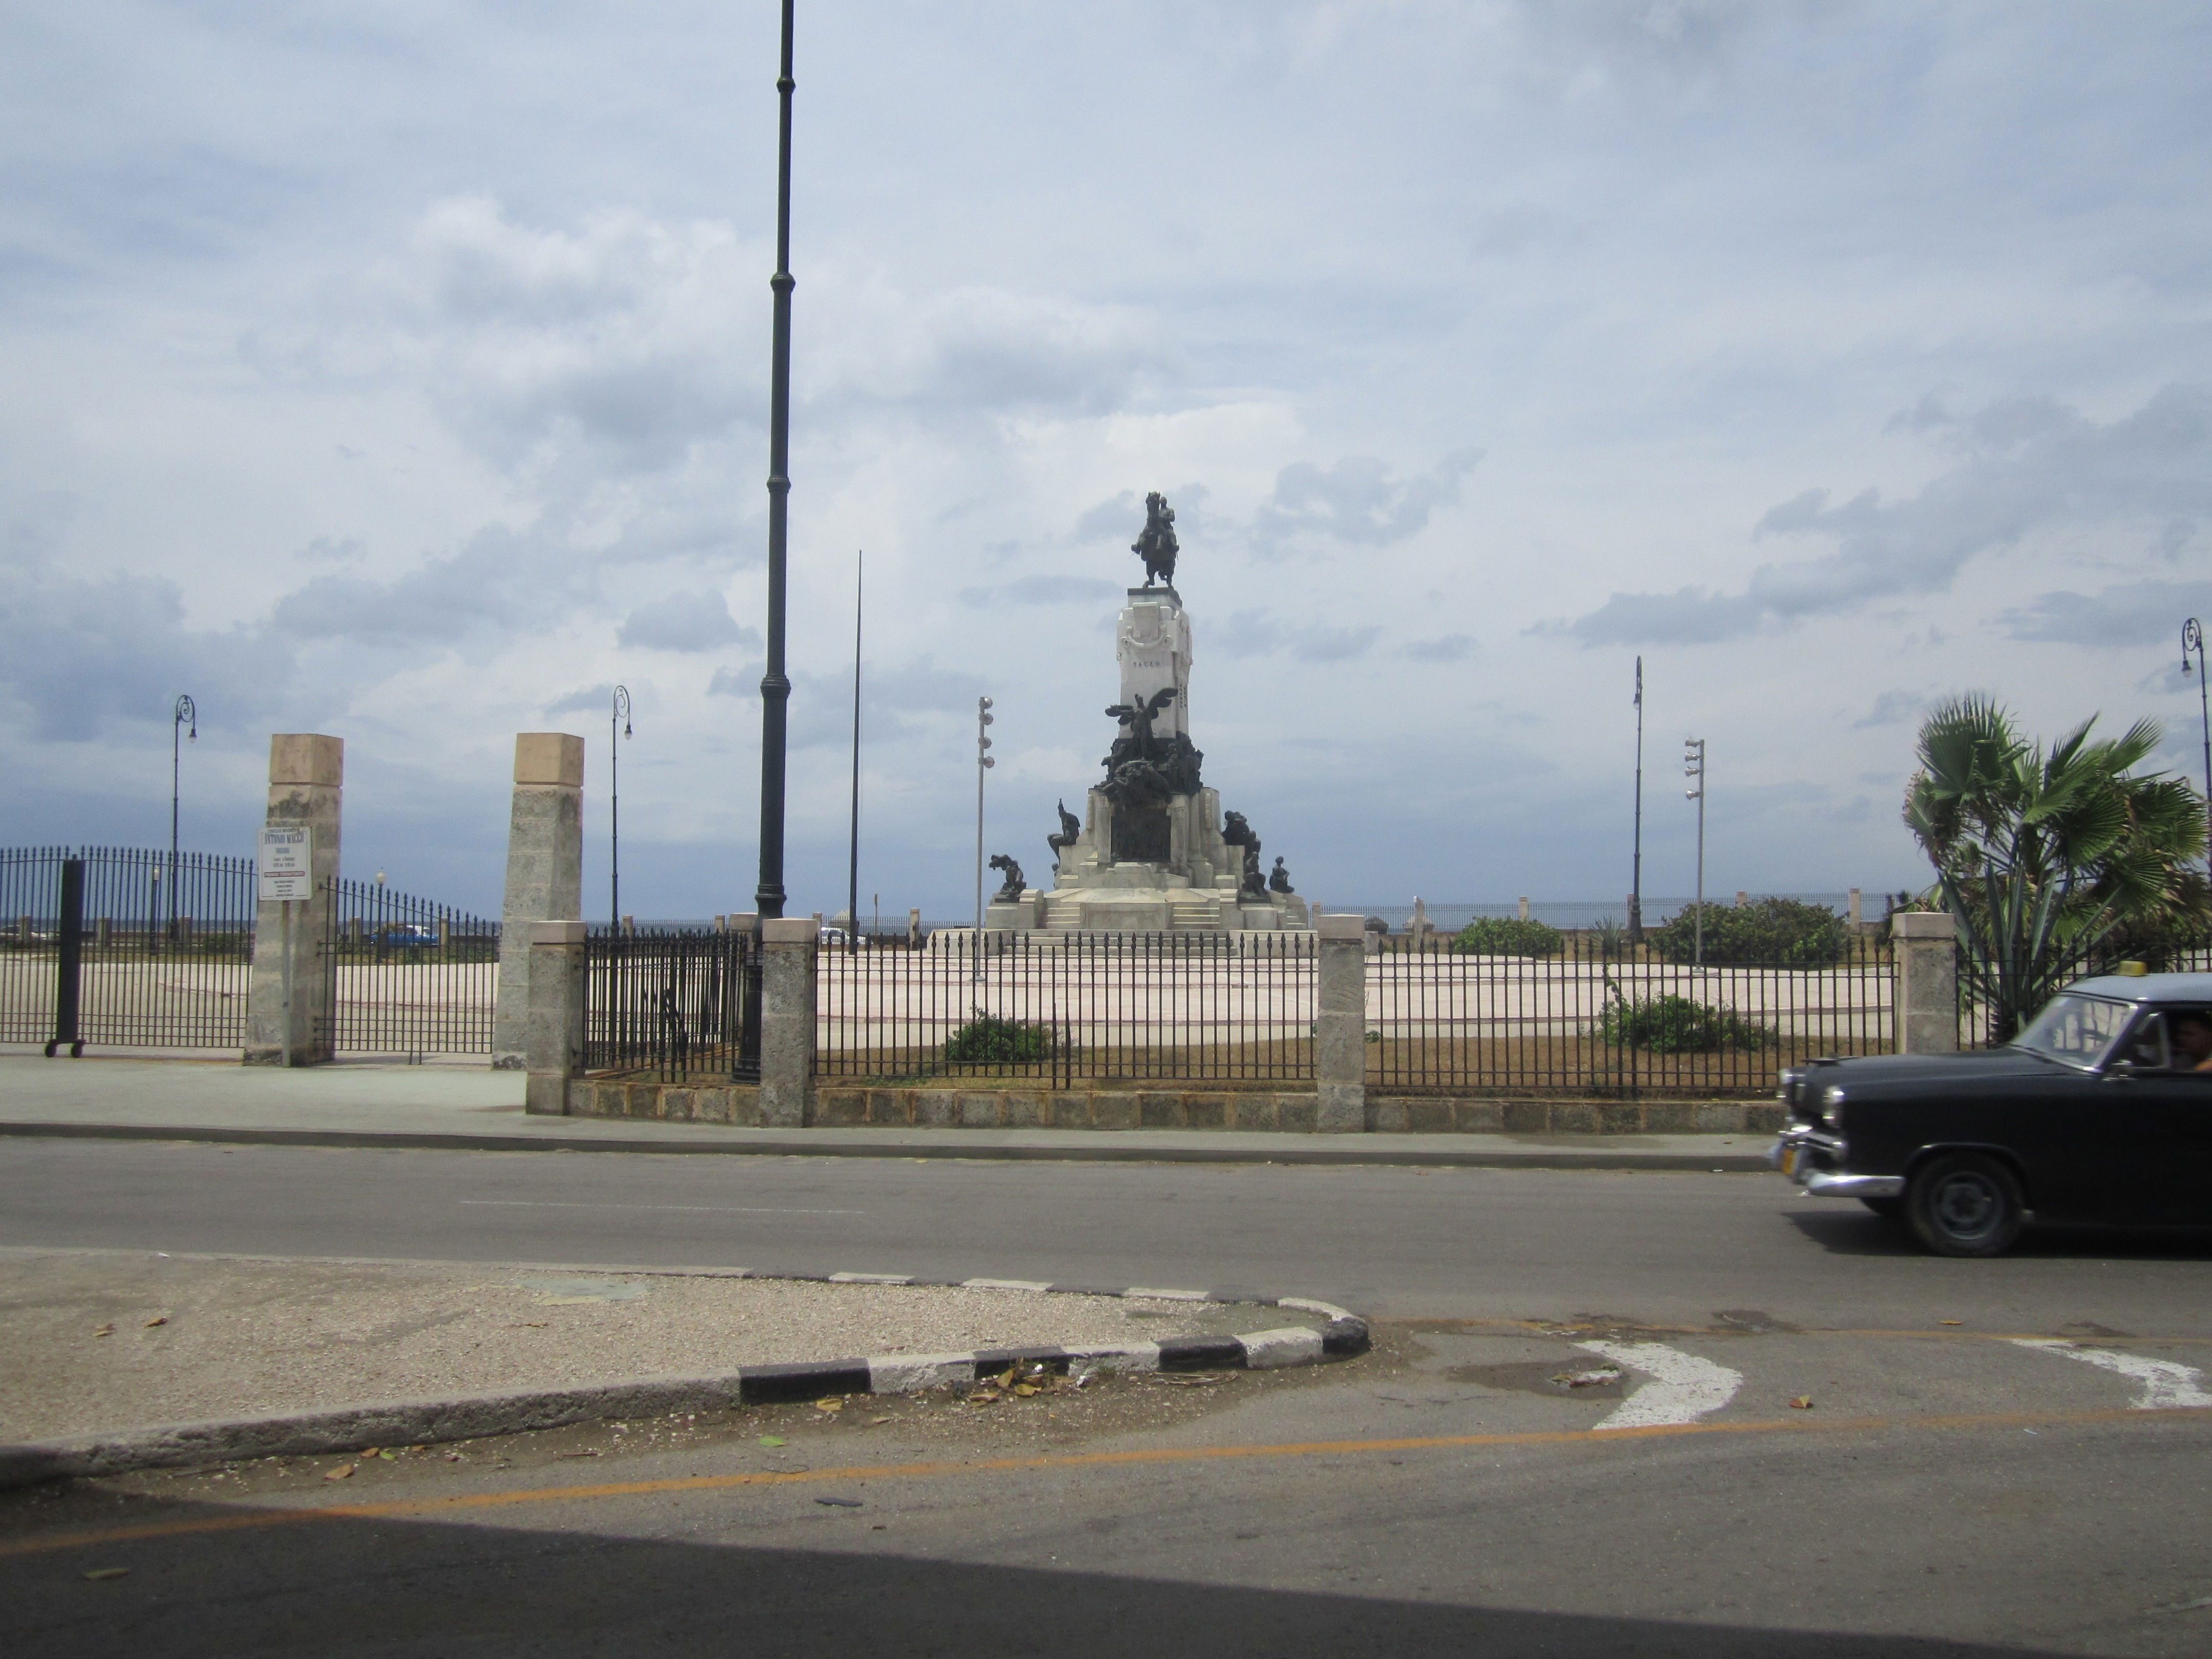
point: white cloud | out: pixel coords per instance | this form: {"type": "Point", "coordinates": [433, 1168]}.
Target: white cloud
{"type": "Point", "coordinates": [407, 380]}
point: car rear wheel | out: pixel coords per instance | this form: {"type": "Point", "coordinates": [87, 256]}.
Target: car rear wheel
{"type": "Point", "coordinates": [1962, 1204]}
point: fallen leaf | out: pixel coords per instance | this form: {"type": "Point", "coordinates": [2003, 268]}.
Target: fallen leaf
{"type": "Point", "coordinates": [338, 1473]}
{"type": "Point", "coordinates": [1025, 1389]}
{"type": "Point", "coordinates": [99, 1573]}
{"type": "Point", "coordinates": [370, 1452]}
{"type": "Point", "coordinates": [1951, 1322]}
{"type": "Point", "coordinates": [158, 1319]}
{"type": "Point", "coordinates": [104, 1330]}
{"type": "Point", "coordinates": [829, 1405]}
{"type": "Point", "coordinates": [389, 1456]}
{"type": "Point", "coordinates": [878, 1420]}
{"type": "Point", "coordinates": [771, 1440]}
{"type": "Point", "coordinates": [839, 1503]}
{"type": "Point", "coordinates": [1802, 1402]}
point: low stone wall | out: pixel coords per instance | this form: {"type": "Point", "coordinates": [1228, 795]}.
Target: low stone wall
{"type": "Point", "coordinates": [1166, 1108]}
{"type": "Point", "coordinates": [1426, 1114]}
{"type": "Point", "coordinates": [674, 1102]}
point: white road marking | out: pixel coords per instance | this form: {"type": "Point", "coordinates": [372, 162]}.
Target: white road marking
{"type": "Point", "coordinates": [2167, 1383]}
{"type": "Point", "coordinates": [710, 1209]}
{"type": "Point", "coordinates": [1683, 1387]}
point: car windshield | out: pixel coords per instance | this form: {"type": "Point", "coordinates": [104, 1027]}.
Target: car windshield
{"type": "Point", "coordinates": [2077, 1029]}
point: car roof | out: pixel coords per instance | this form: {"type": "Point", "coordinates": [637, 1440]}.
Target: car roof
{"type": "Point", "coordinates": [2147, 987]}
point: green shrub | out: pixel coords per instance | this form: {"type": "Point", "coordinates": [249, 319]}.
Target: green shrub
{"type": "Point", "coordinates": [1506, 936]}
{"type": "Point", "coordinates": [1676, 1025]}
{"type": "Point", "coordinates": [1775, 932]}
{"type": "Point", "coordinates": [987, 1040]}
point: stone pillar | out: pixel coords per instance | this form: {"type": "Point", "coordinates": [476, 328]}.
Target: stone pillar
{"type": "Point", "coordinates": [306, 774]}
{"type": "Point", "coordinates": [1855, 910]}
{"type": "Point", "coordinates": [553, 1023]}
{"type": "Point", "coordinates": [545, 873]}
{"type": "Point", "coordinates": [1340, 1075]}
{"type": "Point", "coordinates": [1925, 1001]}
{"type": "Point", "coordinates": [788, 969]}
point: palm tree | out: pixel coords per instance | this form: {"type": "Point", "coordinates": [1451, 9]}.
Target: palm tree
{"type": "Point", "coordinates": [2042, 858]}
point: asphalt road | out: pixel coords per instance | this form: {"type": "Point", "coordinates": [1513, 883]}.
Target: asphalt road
{"type": "Point", "coordinates": [2001, 1456]}
{"type": "Point", "coordinates": [1666, 1247]}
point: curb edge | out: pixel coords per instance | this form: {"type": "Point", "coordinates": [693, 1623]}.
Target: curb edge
{"type": "Point", "coordinates": [469, 1417]}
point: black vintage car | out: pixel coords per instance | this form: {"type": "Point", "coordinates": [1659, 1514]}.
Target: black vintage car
{"type": "Point", "coordinates": [2097, 1111]}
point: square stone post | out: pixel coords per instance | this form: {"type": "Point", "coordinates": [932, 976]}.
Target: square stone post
{"type": "Point", "coordinates": [1340, 1075]}
{"type": "Point", "coordinates": [545, 873]}
{"type": "Point", "coordinates": [307, 774]}
{"type": "Point", "coordinates": [553, 1028]}
{"type": "Point", "coordinates": [787, 987]}
{"type": "Point", "coordinates": [1925, 1001]}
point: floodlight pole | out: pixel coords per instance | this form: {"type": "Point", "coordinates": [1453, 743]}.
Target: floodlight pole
{"type": "Point", "coordinates": [2193, 639]}
{"type": "Point", "coordinates": [775, 684]}
{"type": "Point", "coordinates": [1693, 767]}
{"type": "Point", "coordinates": [983, 763]}
{"type": "Point", "coordinates": [185, 712]}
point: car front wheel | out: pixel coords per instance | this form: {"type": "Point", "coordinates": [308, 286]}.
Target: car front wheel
{"type": "Point", "coordinates": [1962, 1204]}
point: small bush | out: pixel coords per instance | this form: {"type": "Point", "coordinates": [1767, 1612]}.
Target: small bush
{"type": "Point", "coordinates": [1775, 932]}
{"type": "Point", "coordinates": [1507, 936]}
{"type": "Point", "coordinates": [1676, 1025]}
{"type": "Point", "coordinates": [987, 1040]}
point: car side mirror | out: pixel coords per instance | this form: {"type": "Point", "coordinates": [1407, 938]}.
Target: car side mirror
{"type": "Point", "coordinates": [2120, 1068]}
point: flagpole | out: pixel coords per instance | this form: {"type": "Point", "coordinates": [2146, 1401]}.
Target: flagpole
{"type": "Point", "coordinates": [1636, 877]}
{"type": "Point", "coordinates": [853, 868]}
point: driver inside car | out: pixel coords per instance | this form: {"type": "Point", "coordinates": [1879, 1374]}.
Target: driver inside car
{"type": "Point", "coordinates": [2190, 1032]}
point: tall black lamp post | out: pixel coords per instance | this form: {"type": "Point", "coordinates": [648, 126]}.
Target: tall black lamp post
{"type": "Point", "coordinates": [775, 684]}
{"type": "Point", "coordinates": [186, 713]}
{"type": "Point", "coordinates": [2193, 639]}
{"type": "Point", "coordinates": [620, 717]}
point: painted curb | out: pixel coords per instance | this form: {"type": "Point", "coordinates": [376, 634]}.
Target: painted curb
{"type": "Point", "coordinates": [1382, 1148]}
{"type": "Point", "coordinates": [470, 1417]}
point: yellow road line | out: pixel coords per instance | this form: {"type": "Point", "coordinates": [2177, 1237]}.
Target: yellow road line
{"type": "Point", "coordinates": [442, 1506]}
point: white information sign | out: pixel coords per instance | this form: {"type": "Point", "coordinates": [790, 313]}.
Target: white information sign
{"type": "Point", "coordinates": [287, 868]}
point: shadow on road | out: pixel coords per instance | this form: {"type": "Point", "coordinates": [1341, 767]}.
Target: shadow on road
{"type": "Point", "coordinates": [416, 1586]}
{"type": "Point", "coordinates": [1846, 1229]}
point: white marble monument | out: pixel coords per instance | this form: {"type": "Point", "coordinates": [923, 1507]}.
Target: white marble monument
{"type": "Point", "coordinates": [1152, 852]}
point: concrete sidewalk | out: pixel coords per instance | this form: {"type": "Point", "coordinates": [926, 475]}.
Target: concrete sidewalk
{"type": "Point", "coordinates": [481, 1110]}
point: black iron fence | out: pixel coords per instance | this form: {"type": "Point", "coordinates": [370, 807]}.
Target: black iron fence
{"type": "Point", "coordinates": [1060, 1011]}
{"type": "Point", "coordinates": [679, 1003]}
{"type": "Point", "coordinates": [1603, 1021]}
{"type": "Point", "coordinates": [405, 976]}
{"type": "Point", "coordinates": [145, 952]}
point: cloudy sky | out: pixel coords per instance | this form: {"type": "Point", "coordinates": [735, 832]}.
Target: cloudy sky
{"type": "Point", "coordinates": [399, 371]}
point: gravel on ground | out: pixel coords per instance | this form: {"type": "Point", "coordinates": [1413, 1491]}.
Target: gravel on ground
{"type": "Point", "coordinates": [107, 1341]}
